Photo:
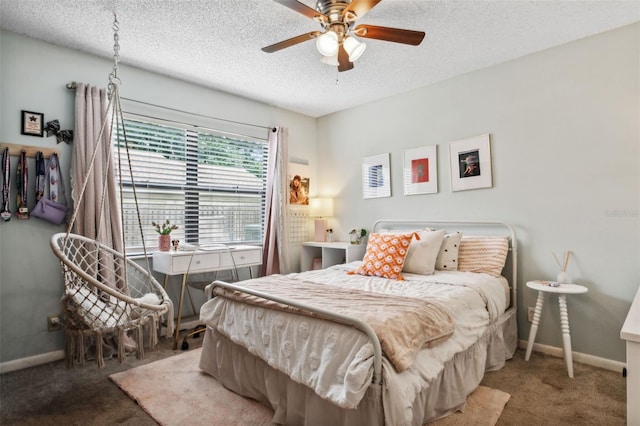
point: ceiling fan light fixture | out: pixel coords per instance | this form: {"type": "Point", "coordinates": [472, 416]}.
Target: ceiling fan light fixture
{"type": "Point", "coordinates": [327, 43]}
{"type": "Point", "coordinates": [354, 48]}
{"type": "Point", "coordinates": [330, 60]}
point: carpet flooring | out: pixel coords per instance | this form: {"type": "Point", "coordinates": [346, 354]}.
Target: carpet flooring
{"type": "Point", "coordinates": [188, 396]}
{"type": "Point", "coordinates": [541, 393]}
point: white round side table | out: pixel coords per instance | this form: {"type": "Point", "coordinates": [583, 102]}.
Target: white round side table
{"type": "Point", "coordinates": [562, 290]}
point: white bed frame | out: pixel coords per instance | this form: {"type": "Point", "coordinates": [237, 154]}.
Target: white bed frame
{"type": "Point", "coordinates": [493, 228]}
{"type": "Point", "coordinates": [488, 227]}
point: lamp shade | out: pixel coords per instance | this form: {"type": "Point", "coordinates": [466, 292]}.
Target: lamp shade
{"type": "Point", "coordinates": [321, 207]}
{"type": "Point", "coordinates": [327, 43]}
{"type": "Point", "coordinates": [354, 48]}
{"type": "Point", "coordinates": [330, 60]}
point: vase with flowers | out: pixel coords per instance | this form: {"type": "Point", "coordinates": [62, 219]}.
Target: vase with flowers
{"type": "Point", "coordinates": [356, 235]}
{"type": "Point", "coordinates": [164, 229]}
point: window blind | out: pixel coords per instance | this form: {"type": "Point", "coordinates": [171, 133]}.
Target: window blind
{"type": "Point", "coordinates": [210, 185]}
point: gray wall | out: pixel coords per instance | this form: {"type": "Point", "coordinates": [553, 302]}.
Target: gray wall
{"type": "Point", "coordinates": [33, 76]}
{"type": "Point", "coordinates": [565, 146]}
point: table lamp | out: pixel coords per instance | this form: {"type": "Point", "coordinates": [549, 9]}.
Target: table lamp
{"type": "Point", "coordinates": [320, 208]}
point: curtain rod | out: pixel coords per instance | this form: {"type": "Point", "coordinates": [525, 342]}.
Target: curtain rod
{"type": "Point", "coordinates": [73, 85]}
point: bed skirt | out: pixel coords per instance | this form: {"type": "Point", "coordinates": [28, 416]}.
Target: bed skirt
{"type": "Point", "coordinates": [295, 404]}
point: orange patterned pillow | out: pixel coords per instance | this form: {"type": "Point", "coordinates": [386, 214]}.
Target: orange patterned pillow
{"type": "Point", "coordinates": [385, 255]}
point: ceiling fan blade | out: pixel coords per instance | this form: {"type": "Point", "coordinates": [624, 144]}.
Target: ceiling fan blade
{"type": "Point", "coordinates": [359, 7]}
{"type": "Point", "coordinates": [395, 35]}
{"type": "Point", "coordinates": [302, 8]}
{"type": "Point", "coordinates": [291, 42]}
{"type": "Point", "coordinates": [344, 64]}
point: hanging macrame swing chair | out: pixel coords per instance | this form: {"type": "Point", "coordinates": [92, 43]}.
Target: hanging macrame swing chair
{"type": "Point", "coordinates": [108, 296]}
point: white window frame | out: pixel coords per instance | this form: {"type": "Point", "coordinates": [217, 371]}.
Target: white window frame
{"type": "Point", "coordinates": [213, 196]}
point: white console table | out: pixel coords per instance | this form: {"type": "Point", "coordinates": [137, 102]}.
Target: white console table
{"type": "Point", "coordinates": [333, 253]}
{"type": "Point", "coordinates": [631, 333]}
{"type": "Point", "coordinates": [203, 260]}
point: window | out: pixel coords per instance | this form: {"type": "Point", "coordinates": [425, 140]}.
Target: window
{"type": "Point", "coordinates": [210, 185]}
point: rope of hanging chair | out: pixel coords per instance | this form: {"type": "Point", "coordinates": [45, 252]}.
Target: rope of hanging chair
{"type": "Point", "coordinates": [114, 106]}
{"type": "Point", "coordinates": [99, 295]}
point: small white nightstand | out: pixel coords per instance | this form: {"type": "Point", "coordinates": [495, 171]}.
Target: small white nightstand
{"type": "Point", "coordinates": [331, 254]}
{"type": "Point", "coordinates": [562, 290]}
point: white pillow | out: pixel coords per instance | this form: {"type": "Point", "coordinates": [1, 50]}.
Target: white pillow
{"type": "Point", "coordinates": [423, 253]}
{"type": "Point", "coordinates": [95, 311]}
{"type": "Point", "coordinates": [448, 257]}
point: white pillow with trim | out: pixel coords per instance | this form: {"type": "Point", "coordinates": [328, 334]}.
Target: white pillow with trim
{"type": "Point", "coordinates": [422, 255]}
{"type": "Point", "coordinates": [448, 257]}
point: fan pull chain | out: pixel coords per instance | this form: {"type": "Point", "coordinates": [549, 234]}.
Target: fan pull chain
{"type": "Point", "coordinates": [113, 76]}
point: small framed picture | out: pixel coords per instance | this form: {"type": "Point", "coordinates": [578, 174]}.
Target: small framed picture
{"type": "Point", "coordinates": [470, 163]}
{"type": "Point", "coordinates": [421, 170]}
{"type": "Point", "coordinates": [298, 184]}
{"type": "Point", "coordinates": [376, 176]}
{"type": "Point", "coordinates": [32, 123]}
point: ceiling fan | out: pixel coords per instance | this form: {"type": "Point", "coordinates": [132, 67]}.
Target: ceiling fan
{"type": "Point", "coordinates": [337, 42]}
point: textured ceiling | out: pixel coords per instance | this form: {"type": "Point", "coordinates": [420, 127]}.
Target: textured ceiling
{"type": "Point", "coordinates": [216, 43]}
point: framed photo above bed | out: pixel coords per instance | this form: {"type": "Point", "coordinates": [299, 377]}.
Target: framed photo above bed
{"type": "Point", "coordinates": [470, 163]}
{"type": "Point", "coordinates": [421, 170]}
{"type": "Point", "coordinates": [376, 177]}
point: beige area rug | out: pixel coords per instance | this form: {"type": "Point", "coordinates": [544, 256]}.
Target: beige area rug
{"type": "Point", "coordinates": [174, 391]}
{"type": "Point", "coordinates": [484, 407]}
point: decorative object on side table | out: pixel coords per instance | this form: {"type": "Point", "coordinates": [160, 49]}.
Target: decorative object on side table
{"type": "Point", "coordinates": [563, 276]}
{"type": "Point", "coordinates": [356, 235]}
{"type": "Point", "coordinates": [164, 240]}
{"type": "Point", "coordinates": [329, 235]}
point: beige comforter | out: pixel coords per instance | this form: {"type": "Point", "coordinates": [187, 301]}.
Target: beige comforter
{"type": "Point", "coordinates": [403, 325]}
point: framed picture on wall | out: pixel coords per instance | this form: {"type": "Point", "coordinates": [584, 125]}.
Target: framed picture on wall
{"type": "Point", "coordinates": [421, 170]}
{"type": "Point", "coordinates": [32, 123]}
{"type": "Point", "coordinates": [470, 163]}
{"type": "Point", "coordinates": [299, 184]}
{"type": "Point", "coordinates": [376, 176]}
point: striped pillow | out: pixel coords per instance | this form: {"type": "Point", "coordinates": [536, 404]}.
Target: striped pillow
{"type": "Point", "coordinates": [483, 254]}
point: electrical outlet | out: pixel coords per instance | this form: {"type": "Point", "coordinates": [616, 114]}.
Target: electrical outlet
{"type": "Point", "coordinates": [530, 312]}
{"type": "Point", "coordinates": [53, 322]}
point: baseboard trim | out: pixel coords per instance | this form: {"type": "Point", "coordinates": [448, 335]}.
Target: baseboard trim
{"type": "Point", "coordinates": [31, 361]}
{"type": "Point", "coordinates": [607, 364]}
{"type": "Point", "coordinates": [594, 361]}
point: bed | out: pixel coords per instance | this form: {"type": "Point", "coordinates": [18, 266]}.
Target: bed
{"type": "Point", "coordinates": [415, 343]}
